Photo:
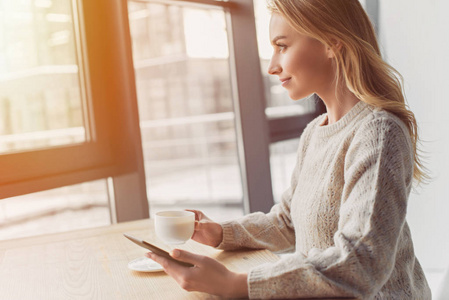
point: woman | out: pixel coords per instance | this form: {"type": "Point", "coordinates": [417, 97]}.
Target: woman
{"type": "Point", "coordinates": [344, 213]}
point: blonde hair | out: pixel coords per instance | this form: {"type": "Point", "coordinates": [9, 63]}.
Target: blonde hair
{"type": "Point", "coordinates": [359, 61]}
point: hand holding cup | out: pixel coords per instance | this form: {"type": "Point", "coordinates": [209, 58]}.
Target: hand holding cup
{"type": "Point", "coordinates": [207, 231]}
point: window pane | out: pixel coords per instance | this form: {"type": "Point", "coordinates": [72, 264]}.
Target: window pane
{"type": "Point", "coordinates": [40, 87]}
{"type": "Point", "coordinates": [63, 209]}
{"type": "Point", "coordinates": [278, 102]}
{"type": "Point", "coordinates": [183, 82]}
{"type": "Point", "coordinates": [282, 162]}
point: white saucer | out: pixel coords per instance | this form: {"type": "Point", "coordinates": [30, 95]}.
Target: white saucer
{"type": "Point", "coordinates": [144, 264]}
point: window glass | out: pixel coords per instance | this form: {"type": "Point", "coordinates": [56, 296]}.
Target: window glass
{"type": "Point", "coordinates": [282, 163]}
{"type": "Point", "coordinates": [67, 208]}
{"type": "Point", "coordinates": [181, 60]}
{"type": "Point", "coordinates": [278, 102]}
{"type": "Point", "coordinates": [40, 86]}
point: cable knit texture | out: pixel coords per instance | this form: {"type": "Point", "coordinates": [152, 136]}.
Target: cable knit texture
{"type": "Point", "coordinates": [343, 217]}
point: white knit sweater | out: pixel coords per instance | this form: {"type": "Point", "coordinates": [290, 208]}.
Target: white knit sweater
{"type": "Point", "coordinates": [343, 216]}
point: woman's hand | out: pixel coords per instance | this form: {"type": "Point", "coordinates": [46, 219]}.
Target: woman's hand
{"type": "Point", "coordinates": [207, 275]}
{"type": "Point", "coordinates": [207, 231]}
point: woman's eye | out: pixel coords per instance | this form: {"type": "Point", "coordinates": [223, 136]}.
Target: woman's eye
{"type": "Point", "coordinates": [281, 47]}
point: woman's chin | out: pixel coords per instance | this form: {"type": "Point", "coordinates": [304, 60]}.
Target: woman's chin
{"type": "Point", "coordinates": [297, 96]}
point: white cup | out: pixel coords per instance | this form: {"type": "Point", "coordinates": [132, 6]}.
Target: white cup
{"type": "Point", "coordinates": [174, 227]}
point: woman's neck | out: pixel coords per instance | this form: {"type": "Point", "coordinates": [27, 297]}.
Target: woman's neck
{"type": "Point", "coordinates": [338, 104]}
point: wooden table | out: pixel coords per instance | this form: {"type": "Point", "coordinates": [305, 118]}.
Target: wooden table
{"type": "Point", "coordinates": [92, 264]}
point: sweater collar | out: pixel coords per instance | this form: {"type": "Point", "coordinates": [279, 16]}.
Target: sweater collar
{"type": "Point", "coordinates": [327, 130]}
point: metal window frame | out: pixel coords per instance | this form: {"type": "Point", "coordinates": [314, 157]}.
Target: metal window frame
{"type": "Point", "coordinates": [249, 105]}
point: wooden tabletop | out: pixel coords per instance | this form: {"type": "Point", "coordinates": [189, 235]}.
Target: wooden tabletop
{"type": "Point", "coordinates": [92, 264]}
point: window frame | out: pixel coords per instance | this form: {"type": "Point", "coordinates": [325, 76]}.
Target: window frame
{"type": "Point", "coordinates": [115, 147]}
{"type": "Point", "coordinates": [249, 105]}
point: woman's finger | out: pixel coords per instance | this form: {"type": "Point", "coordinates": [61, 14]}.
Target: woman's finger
{"type": "Point", "coordinates": [197, 225]}
{"type": "Point", "coordinates": [200, 225]}
{"type": "Point", "coordinates": [159, 259]}
{"type": "Point", "coordinates": [188, 257]}
{"type": "Point", "coordinates": [170, 267]}
{"type": "Point", "coordinates": [197, 214]}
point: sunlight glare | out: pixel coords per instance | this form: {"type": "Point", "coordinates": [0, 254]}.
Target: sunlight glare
{"type": "Point", "coordinates": [205, 34]}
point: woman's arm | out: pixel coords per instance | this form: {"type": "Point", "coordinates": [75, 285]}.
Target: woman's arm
{"type": "Point", "coordinates": [273, 231]}
{"type": "Point", "coordinates": [253, 231]}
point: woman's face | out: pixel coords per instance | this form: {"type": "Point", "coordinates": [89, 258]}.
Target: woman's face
{"type": "Point", "coordinates": [303, 64]}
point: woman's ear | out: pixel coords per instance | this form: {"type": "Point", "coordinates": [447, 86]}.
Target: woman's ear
{"type": "Point", "coordinates": [332, 49]}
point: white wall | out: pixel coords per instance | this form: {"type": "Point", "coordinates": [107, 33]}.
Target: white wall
{"type": "Point", "coordinates": [414, 37]}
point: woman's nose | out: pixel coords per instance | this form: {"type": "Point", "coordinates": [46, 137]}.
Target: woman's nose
{"type": "Point", "coordinates": [274, 68]}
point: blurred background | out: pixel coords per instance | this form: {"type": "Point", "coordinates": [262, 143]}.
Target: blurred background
{"type": "Point", "coordinates": [187, 99]}
{"type": "Point", "coordinates": [186, 111]}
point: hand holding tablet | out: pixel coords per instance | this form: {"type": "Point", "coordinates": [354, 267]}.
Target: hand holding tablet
{"type": "Point", "coordinates": [155, 250]}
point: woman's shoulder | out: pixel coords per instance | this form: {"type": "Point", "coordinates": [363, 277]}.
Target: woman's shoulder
{"type": "Point", "coordinates": [380, 137]}
{"type": "Point", "coordinates": [380, 122]}
{"type": "Point", "coordinates": [379, 130]}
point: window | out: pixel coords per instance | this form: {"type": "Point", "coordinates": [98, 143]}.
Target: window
{"type": "Point", "coordinates": [181, 60]}
{"type": "Point", "coordinates": [38, 50]}
{"type": "Point", "coordinates": [64, 118]}
{"type": "Point", "coordinates": [46, 129]}
{"type": "Point", "coordinates": [197, 109]}
{"type": "Point", "coordinates": [282, 160]}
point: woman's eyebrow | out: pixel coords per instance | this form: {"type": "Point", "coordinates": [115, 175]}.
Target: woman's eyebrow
{"type": "Point", "coordinates": [277, 38]}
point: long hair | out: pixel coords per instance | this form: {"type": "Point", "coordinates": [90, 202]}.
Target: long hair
{"type": "Point", "coordinates": [359, 62]}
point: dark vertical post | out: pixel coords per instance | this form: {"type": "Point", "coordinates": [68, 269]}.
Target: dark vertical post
{"type": "Point", "coordinates": [249, 106]}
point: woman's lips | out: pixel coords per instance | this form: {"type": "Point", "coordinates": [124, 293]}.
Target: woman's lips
{"type": "Point", "coordinates": [285, 81]}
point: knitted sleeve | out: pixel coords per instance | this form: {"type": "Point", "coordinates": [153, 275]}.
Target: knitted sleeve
{"type": "Point", "coordinates": [273, 231]}
{"type": "Point", "coordinates": [378, 173]}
